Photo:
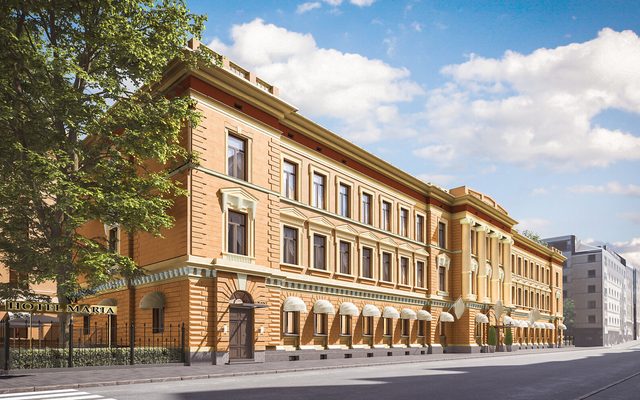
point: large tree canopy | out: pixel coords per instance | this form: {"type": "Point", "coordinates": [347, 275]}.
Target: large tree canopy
{"type": "Point", "coordinates": [76, 135]}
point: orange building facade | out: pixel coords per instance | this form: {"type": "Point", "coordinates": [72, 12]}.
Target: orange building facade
{"type": "Point", "coordinates": [294, 243]}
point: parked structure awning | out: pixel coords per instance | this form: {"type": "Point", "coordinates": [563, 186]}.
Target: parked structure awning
{"type": "Point", "coordinates": [348, 308]}
{"type": "Point", "coordinates": [152, 300]}
{"type": "Point", "coordinates": [562, 327]}
{"type": "Point", "coordinates": [293, 303]}
{"type": "Point", "coordinates": [370, 310]}
{"type": "Point", "coordinates": [424, 315]}
{"type": "Point", "coordinates": [446, 317]}
{"type": "Point", "coordinates": [390, 312]}
{"type": "Point", "coordinates": [408, 313]}
{"type": "Point", "coordinates": [482, 319]}
{"type": "Point", "coordinates": [324, 307]}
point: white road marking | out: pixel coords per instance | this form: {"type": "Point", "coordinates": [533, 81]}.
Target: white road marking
{"type": "Point", "coordinates": [63, 394]}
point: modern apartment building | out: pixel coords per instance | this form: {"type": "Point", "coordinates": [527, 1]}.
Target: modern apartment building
{"type": "Point", "coordinates": [294, 243]}
{"type": "Point", "coordinates": [603, 287]}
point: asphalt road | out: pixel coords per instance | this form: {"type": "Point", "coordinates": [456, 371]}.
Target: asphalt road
{"type": "Point", "coordinates": [568, 375]}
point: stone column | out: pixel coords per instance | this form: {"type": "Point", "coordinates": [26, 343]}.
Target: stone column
{"type": "Point", "coordinates": [506, 287]}
{"type": "Point", "coordinates": [466, 257]}
{"type": "Point", "coordinates": [481, 292]}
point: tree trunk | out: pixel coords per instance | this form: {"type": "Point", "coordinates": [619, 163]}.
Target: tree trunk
{"type": "Point", "coordinates": [63, 318]}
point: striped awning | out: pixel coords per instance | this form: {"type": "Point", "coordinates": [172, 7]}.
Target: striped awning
{"type": "Point", "coordinates": [446, 317]}
{"type": "Point", "coordinates": [390, 312]}
{"type": "Point", "coordinates": [424, 315]}
{"type": "Point", "coordinates": [370, 310]}
{"type": "Point", "coordinates": [324, 307]}
{"type": "Point", "coordinates": [293, 303]}
{"type": "Point", "coordinates": [408, 313]}
{"type": "Point", "coordinates": [482, 319]}
{"type": "Point", "coordinates": [348, 308]}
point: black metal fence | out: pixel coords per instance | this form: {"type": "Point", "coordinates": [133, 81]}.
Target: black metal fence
{"type": "Point", "coordinates": [27, 344]}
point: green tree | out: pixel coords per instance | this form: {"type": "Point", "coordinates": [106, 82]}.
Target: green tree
{"type": "Point", "coordinates": [492, 339]}
{"type": "Point", "coordinates": [508, 337]}
{"type": "Point", "coordinates": [83, 115]}
{"type": "Point", "coordinates": [568, 312]}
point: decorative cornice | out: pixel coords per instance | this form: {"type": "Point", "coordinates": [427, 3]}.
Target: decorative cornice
{"type": "Point", "coordinates": [157, 277]}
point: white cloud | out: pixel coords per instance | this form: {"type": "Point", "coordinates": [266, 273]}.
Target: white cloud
{"type": "Point", "coordinates": [539, 108]}
{"type": "Point", "coordinates": [537, 225]}
{"type": "Point", "coordinates": [305, 7]}
{"type": "Point", "coordinates": [362, 3]}
{"type": "Point", "coordinates": [361, 94]}
{"type": "Point", "coordinates": [390, 43]}
{"type": "Point", "coordinates": [630, 250]}
{"type": "Point", "coordinates": [333, 3]}
{"type": "Point", "coordinates": [416, 26]}
{"type": "Point", "coordinates": [437, 152]}
{"type": "Point", "coordinates": [437, 179]}
{"type": "Point", "coordinates": [539, 191]}
{"type": "Point", "coordinates": [608, 188]}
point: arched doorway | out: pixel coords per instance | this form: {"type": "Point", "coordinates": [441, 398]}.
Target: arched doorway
{"type": "Point", "coordinates": [240, 327]}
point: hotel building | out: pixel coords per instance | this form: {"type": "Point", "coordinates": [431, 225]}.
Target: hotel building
{"type": "Point", "coordinates": [294, 243]}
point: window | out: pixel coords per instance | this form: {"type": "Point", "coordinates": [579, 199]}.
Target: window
{"type": "Point", "coordinates": [237, 233]}
{"type": "Point", "coordinates": [591, 304]}
{"type": "Point", "coordinates": [404, 219]}
{"type": "Point", "coordinates": [473, 244]}
{"type": "Point", "coordinates": [404, 270]}
{"type": "Point", "coordinates": [366, 208]}
{"type": "Point", "coordinates": [388, 326]}
{"type": "Point", "coordinates": [114, 239]}
{"type": "Point", "coordinates": [421, 330]}
{"type": "Point", "coordinates": [319, 251]}
{"type": "Point", "coordinates": [557, 280]}
{"type": "Point", "coordinates": [318, 190]}
{"type": "Point", "coordinates": [591, 258]}
{"type": "Point", "coordinates": [500, 253]}
{"type": "Point", "coordinates": [487, 247]}
{"type": "Point", "coordinates": [291, 322]}
{"type": "Point", "coordinates": [592, 319]}
{"type": "Point", "coordinates": [519, 266]}
{"type": "Point", "coordinates": [591, 273]}
{"type": "Point", "coordinates": [290, 245]}
{"type": "Point", "coordinates": [442, 274]}
{"type": "Point", "coordinates": [419, 228]}
{"type": "Point", "coordinates": [367, 271]}
{"type": "Point", "coordinates": [320, 324]}
{"type": "Point", "coordinates": [420, 274]}
{"type": "Point", "coordinates": [345, 257]}
{"type": "Point", "coordinates": [158, 320]}
{"type": "Point", "coordinates": [345, 325]}
{"type": "Point", "coordinates": [591, 289]}
{"type": "Point", "coordinates": [236, 162]}
{"type": "Point", "coordinates": [345, 200]}
{"type": "Point", "coordinates": [526, 267]}
{"type": "Point", "coordinates": [406, 327]}
{"type": "Point", "coordinates": [290, 173]}
{"type": "Point", "coordinates": [86, 325]}
{"type": "Point", "coordinates": [386, 216]}
{"type": "Point", "coordinates": [367, 326]}
{"type": "Point", "coordinates": [386, 267]}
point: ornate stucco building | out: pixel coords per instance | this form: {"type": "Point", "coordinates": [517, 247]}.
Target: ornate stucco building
{"type": "Point", "coordinates": [294, 243]}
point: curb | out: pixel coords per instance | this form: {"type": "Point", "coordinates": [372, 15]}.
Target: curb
{"type": "Point", "coordinates": [265, 372]}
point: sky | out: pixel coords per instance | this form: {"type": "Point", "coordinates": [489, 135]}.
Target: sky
{"type": "Point", "coordinates": [536, 104]}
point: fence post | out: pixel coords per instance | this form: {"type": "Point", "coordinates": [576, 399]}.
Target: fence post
{"type": "Point", "coordinates": [7, 333]}
{"type": "Point", "coordinates": [70, 356]}
{"type": "Point", "coordinates": [186, 358]}
{"type": "Point", "coordinates": [132, 338]}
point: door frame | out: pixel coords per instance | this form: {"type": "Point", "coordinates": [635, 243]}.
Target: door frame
{"type": "Point", "coordinates": [251, 336]}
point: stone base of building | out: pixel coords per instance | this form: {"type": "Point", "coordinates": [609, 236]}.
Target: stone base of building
{"type": "Point", "coordinates": [474, 348]}
{"type": "Point", "coordinates": [436, 349]}
{"type": "Point", "coordinates": [333, 354]}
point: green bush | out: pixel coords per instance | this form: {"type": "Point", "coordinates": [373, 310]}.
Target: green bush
{"type": "Point", "coordinates": [91, 357]}
{"type": "Point", "coordinates": [508, 337]}
{"type": "Point", "coordinates": [492, 339]}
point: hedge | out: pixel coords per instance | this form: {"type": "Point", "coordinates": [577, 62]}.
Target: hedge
{"type": "Point", "coordinates": [86, 357]}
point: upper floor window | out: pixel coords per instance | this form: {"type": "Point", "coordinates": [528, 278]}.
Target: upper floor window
{"type": "Point", "coordinates": [474, 242]}
{"type": "Point", "coordinates": [366, 208]}
{"type": "Point", "coordinates": [386, 216]}
{"type": "Point", "coordinates": [519, 266]}
{"type": "Point", "coordinates": [420, 274]}
{"type": "Point", "coordinates": [237, 239]}
{"type": "Point", "coordinates": [318, 190]}
{"type": "Point", "coordinates": [442, 275]}
{"type": "Point", "coordinates": [344, 200]}
{"type": "Point", "coordinates": [442, 234]}
{"type": "Point", "coordinates": [386, 267]}
{"type": "Point", "coordinates": [290, 172]}
{"type": "Point", "coordinates": [404, 270]}
{"type": "Point", "coordinates": [367, 271]}
{"type": "Point", "coordinates": [419, 228]}
{"type": "Point", "coordinates": [500, 253]}
{"type": "Point", "coordinates": [345, 257]}
{"type": "Point", "coordinates": [488, 250]}
{"type": "Point", "coordinates": [319, 251]}
{"type": "Point", "coordinates": [404, 220]}
{"type": "Point", "coordinates": [236, 161]}
{"type": "Point", "coordinates": [114, 239]}
{"type": "Point", "coordinates": [290, 244]}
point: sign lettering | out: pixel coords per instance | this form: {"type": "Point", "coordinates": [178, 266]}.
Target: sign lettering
{"type": "Point", "coordinates": [38, 307]}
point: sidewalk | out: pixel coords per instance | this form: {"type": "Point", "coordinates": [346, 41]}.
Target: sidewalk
{"type": "Point", "coordinates": [74, 378]}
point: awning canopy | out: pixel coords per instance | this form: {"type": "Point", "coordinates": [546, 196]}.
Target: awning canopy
{"type": "Point", "coordinates": [348, 308]}
{"type": "Point", "coordinates": [549, 325]}
{"type": "Point", "coordinates": [521, 324]}
{"type": "Point", "coordinates": [108, 302]}
{"type": "Point", "coordinates": [482, 319]}
{"type": "Point", "coordinates": [293, 303]}
{"type": "Point", "coordinates": [446, 317]}
{"type": "Point", "coordinates": [508, 321]}
{"type": "Point", "coordinates": [424, 315]}
{"type": "Point", "coordinates": [370, 310]}
{"type": "Point", "coordinates": [408, 313]}
{"type": "Point", "coordinates": [538, 325]}
{"type": "Point", "coordinates": [324, 307]}
{"type": "Point", "coordinates": [390, 312]}
{"type": "Point", "coordinates": [562, 326]}
{"type": "Point", "coordinates": [152, 300]}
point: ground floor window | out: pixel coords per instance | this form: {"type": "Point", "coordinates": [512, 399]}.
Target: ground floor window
{"type": "Point", "coordinates": [345, 325]}
{"type": "Point", "coordinates": [406, 327]}
{"type": "Point", "coordinates": [388, 326]}
{"type": "Point", "coordinates": [367, 326]}
{"type": "Point", "coordinates": [86, 325]}
{"type": "Point", "coordinates": [421, 328]}
{"type": "Point", "coordinates": [291, 322]}
{"type": "Point", "coordinates": [320, 324]}
{"type": "Point", "coordinates": [158, 320]}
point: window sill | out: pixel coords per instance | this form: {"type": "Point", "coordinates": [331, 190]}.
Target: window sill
{"type": "Point", "coordinates": [241, 258]}
{"type": "Point", "coordinates": [345, 335]}
{"type": "Point", "coordinates": [371, 280]}
{"type": "Point", "coordinates": [319, 271]}
{"type": "Point", "coordinates": [343, 275]}
{"type": "Point", "coordinates": [292, 266]}
{"type": "Point", "coordinates": [421, 288]}
{"type": "Point", "coordinates": [442, 293]}
{"type": "Point", "coordinates": [290, 334]}
{"type": "Point", "coordinates": [320, 335]}
{"type": "Point", "coordinates": [404, 286]}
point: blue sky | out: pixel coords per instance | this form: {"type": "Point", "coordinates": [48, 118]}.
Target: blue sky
{"type": "Point", "coordinates": [536, 104]}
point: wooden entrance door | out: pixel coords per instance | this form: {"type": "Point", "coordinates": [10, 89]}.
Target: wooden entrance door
{"type": "Point", "coordinates": [241, 333]}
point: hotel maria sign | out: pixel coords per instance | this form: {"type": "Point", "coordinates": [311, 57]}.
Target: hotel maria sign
{"type": "Point", "coordinates": [40, 307]}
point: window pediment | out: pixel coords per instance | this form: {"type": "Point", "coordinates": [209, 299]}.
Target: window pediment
{"type": "Point", "coordinates": [321, 221]}
{"type": "Point", "coordinates": [292, 214]}
{"type": "Point", "coordinates": [347, 229]}
{"type": "Point", "coordinates": [369, 236]}
{"type": "Point", "coordinates": [240, 200]}
{"type": "Point", "coordinates": [443, 260]}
